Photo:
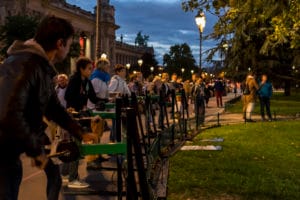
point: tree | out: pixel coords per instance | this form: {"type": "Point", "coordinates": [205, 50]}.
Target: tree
{"type": "Point", "coordinates": [141, 40]}
{"type": "Point", "coordinates": [148, 62]}
{"type": "Point", "coordinates": [261, 34]}
{"type": "Point", "coordinates": [180, 56]}
{"type": "Point", "coordinates": [23, 27]}
{"type": "Point", "coordinates": [18, 27]}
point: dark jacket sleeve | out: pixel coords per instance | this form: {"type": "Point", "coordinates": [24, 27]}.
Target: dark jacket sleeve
{"type": "Point", "coordinates": [72, 93]}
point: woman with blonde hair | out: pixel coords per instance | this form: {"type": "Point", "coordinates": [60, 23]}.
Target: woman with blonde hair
{"type": "Point", "coordinates": [100, 78]}
{"type": "Point", "coordinates": [249, 97]}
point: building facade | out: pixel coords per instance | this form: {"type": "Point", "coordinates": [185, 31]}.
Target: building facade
{"type": "Point", "coordinates": [96, 32]}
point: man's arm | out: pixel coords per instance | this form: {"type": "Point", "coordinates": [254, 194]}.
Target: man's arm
{"type": "Point", "coordinates": [56, 112]}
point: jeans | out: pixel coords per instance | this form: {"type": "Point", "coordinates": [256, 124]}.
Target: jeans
{"type": "Point", "coordinates": [265, 102]}
{"type": "Point", "coordinates": [10, 179]}
{"type": "Point", "coordinates": [53, 180]}
{"type": "Point", "coordinates": [70, 169]}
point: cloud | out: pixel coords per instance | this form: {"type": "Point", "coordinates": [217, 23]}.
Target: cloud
{"type": "Point", "coordinates": [163, 21]}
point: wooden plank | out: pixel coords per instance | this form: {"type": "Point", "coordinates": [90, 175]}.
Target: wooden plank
{"type": "Point", "coordinates": [205, 148]}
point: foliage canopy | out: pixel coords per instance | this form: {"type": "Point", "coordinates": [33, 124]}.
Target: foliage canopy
{"type": "Point", "coordinates": [180, 56]}
{"type": "Point", "coordinates": [261, 34]}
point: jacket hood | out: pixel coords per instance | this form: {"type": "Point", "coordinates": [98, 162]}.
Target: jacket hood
{"type": "Point", "coordinates": [27, 46]}
{"type": "Point", "coordinates": [117, 77]}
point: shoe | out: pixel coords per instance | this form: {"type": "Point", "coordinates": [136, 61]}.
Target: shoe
{"type": "Point", "coordinates": [65, 179]}
{"type": "Point", "coordinates": [78, 184]}
{"type": "Point", "coordinates": [249, 120]}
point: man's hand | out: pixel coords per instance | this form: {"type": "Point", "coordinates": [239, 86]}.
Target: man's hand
{"type": "Point", "coordinates": [96, 118]}
{"type": "Point", "coordinates": [90, 138]}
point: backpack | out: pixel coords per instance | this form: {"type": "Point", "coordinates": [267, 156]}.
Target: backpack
{"type": "Point", "coordinates": [246, 90]}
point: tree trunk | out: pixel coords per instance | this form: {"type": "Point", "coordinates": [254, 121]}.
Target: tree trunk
{"type": "Point", "coordinates": [287, 87]}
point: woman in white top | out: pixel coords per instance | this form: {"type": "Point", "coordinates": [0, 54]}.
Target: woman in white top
{"type": "Point", "coordinates": [118, 84]}
{"type": "Point", "coordinates": [100, 80]}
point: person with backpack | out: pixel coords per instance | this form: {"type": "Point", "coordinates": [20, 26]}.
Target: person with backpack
{"type": "Point", "coordinates": [249, 97]}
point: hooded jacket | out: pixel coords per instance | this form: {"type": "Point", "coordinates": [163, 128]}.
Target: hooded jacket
{"type": "Point", "coordinates": [27, 93]}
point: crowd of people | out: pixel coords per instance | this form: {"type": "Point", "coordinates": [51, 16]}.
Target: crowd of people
{"type": "Point", "coordinates": [34, 96]}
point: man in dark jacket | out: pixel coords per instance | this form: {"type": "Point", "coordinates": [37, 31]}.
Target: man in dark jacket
{"type": "Point", "coordinates": [27, 93]}
{"type": "Point", "coordinates": [265, 92]}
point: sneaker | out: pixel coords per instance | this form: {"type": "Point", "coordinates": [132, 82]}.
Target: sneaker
{"type": "Point", "coordinates": [78, 184]}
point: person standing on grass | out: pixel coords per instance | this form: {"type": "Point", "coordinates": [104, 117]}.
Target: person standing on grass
{"type": "Point", "coordinates": [249, 98]}
{"type": "Point", "coordinates": [265, 92]}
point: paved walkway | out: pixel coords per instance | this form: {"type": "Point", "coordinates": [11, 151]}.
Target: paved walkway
{"type": "Point", "coordinates": [216, 115]}
{"type": "Point", "coordinates": [33, 185]}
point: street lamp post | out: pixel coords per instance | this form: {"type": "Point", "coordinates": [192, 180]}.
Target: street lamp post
{"type": "Point", "coordinates": [225, 46]}
{"type": "Point", "coordinates": [200, 21]}
{"type": "Point", "coordinates": [182, 71]}
{"type": "Point", "coordinates": [128, 66]}
{"type": "Point", "coordinates": [151, 69]}
{"type": "Point", "coordinates": [103, 56]}
{"type": "Point", "coordinates": [140, 63]}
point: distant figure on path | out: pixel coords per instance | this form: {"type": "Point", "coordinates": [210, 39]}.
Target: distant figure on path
{"type": "Point", "coordinates": [219, 90]}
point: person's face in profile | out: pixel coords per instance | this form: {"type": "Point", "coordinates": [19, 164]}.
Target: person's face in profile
{"type": "Point", "coordinates": [86, 72]}
{"type": "Point", "coordinates": [63, 49]}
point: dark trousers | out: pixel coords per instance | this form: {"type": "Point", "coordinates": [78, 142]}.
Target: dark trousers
{"type": "Point", "coordinates": [200, 110]}
{"type": "Point", "coordinates": [10, 179]}
{"type": "Point", "coordinates": [265, 102]}
{"type": "Point", "coordinates": [53, 180]}
{"type": "Point", "coordinates": [70, 169]}
{"type": "Point", "coordinates": [219, 95]}
{"type": "Point", "coordinates": [161, 116]}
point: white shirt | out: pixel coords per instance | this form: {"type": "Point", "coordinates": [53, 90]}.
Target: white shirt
{"type": "Point", "coordinates": [61, 95]}
{"type": "Point", "coordinates": [101, 90]}
{"type": "Point", "coordinates": [118, 84]}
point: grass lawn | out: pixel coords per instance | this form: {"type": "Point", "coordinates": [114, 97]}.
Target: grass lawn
{"type": "Point", "coordinates": [280, 104]}
{"type": "Point", "coordinates": [258, 161]}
